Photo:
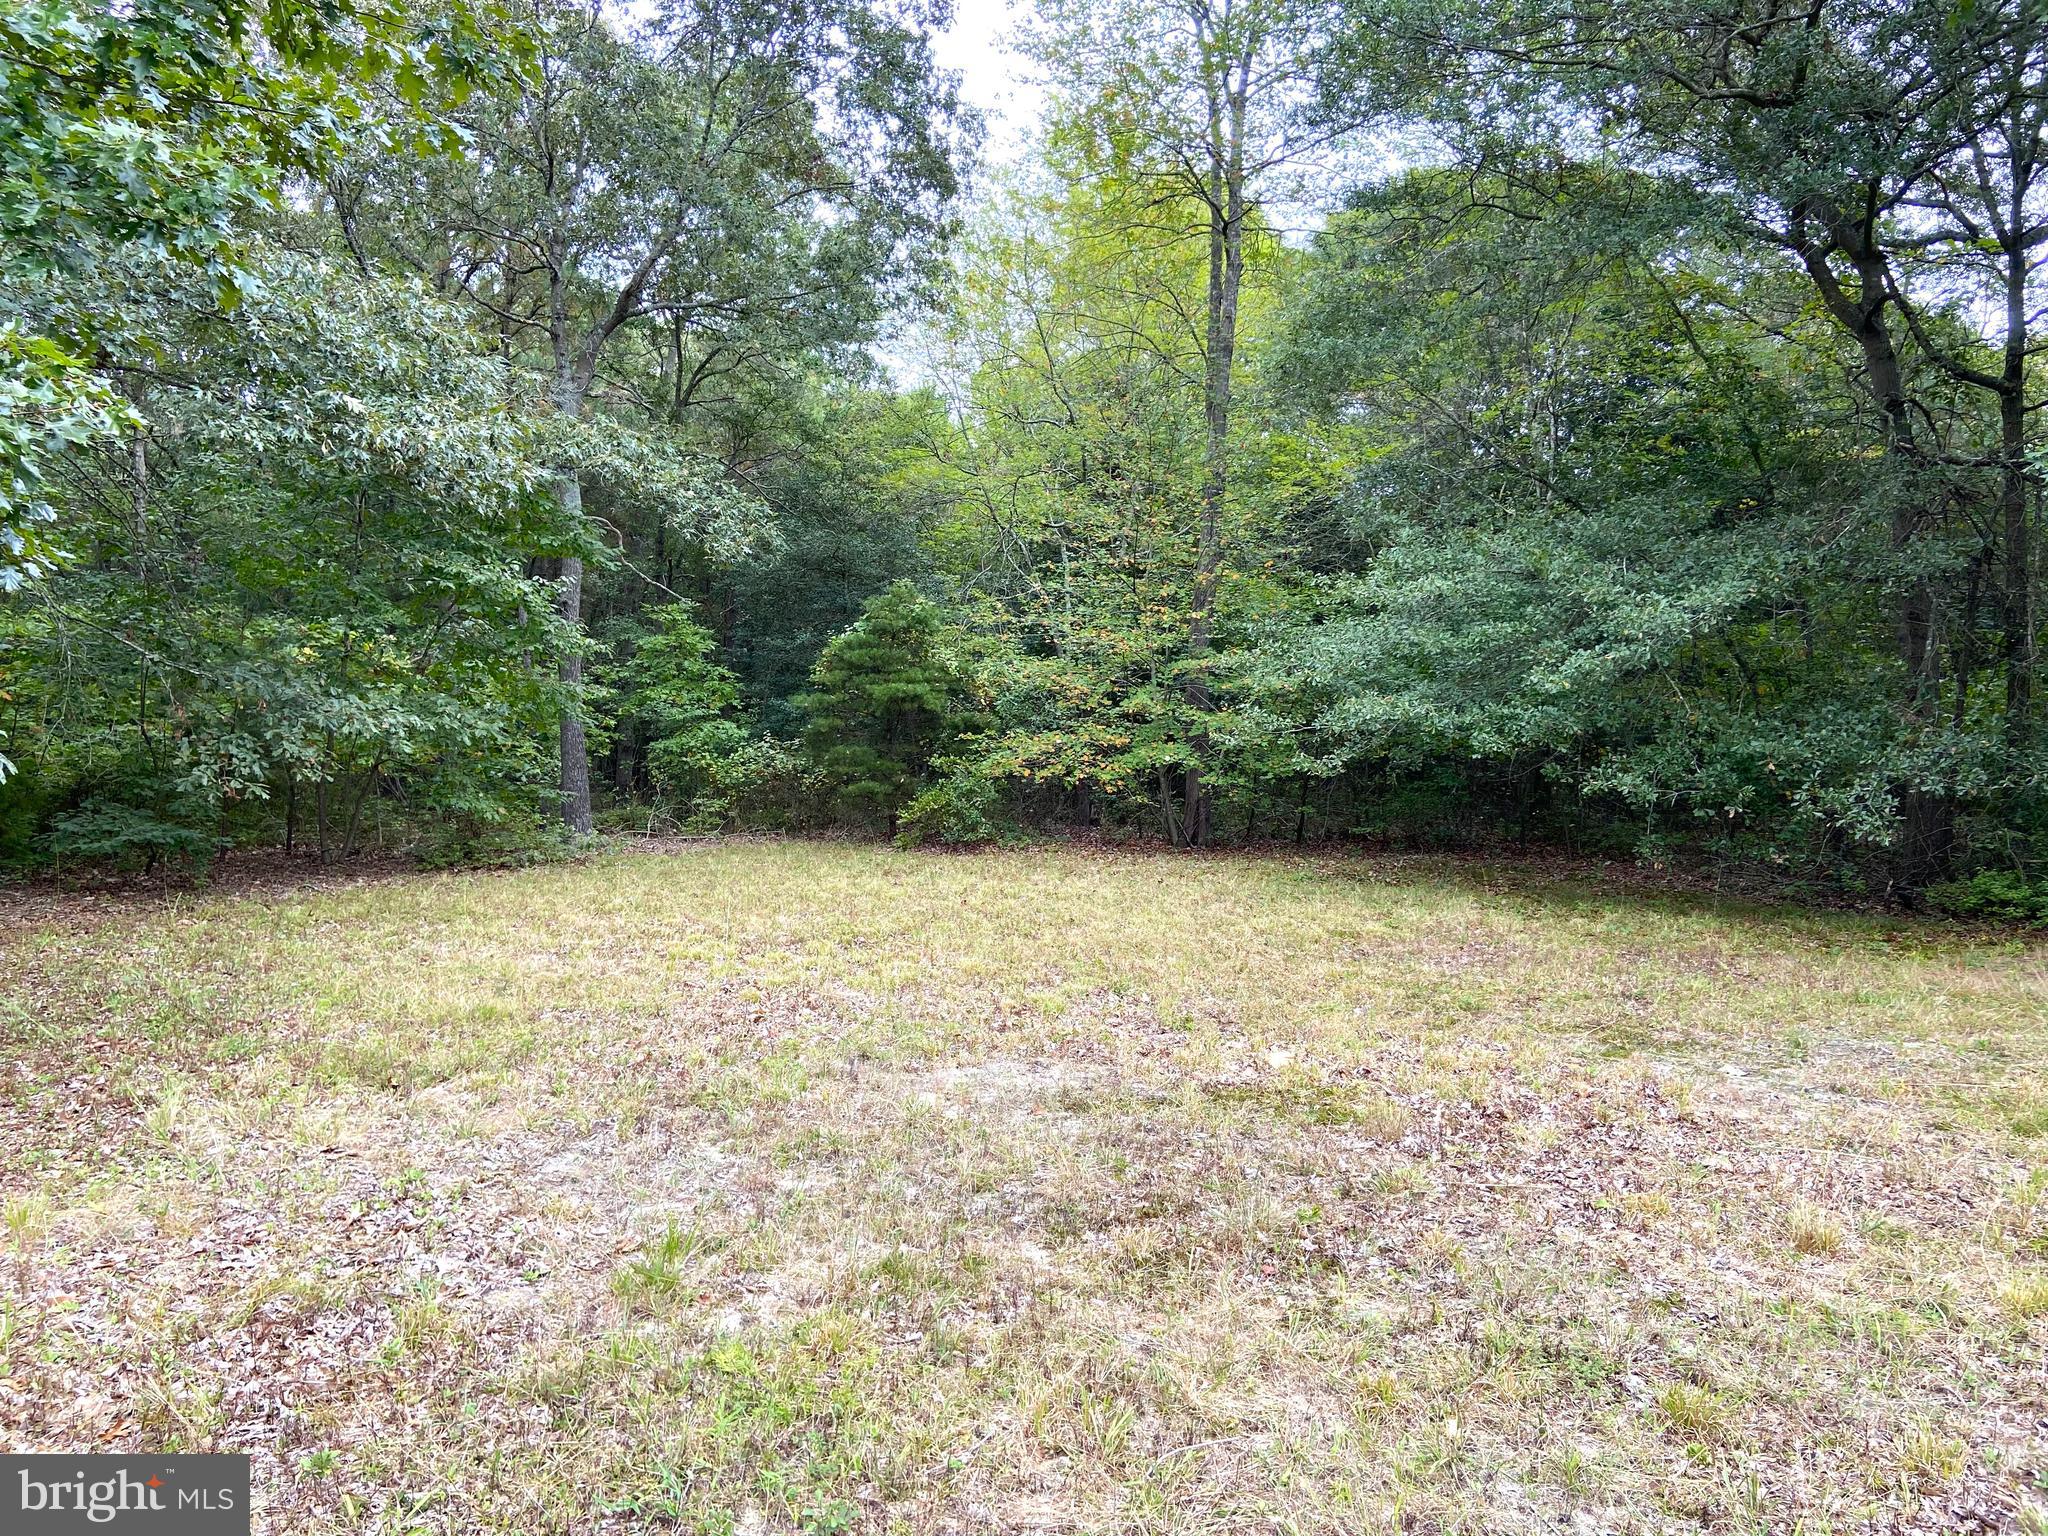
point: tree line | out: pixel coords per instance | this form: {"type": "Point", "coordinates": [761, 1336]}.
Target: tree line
{"type": "Point", "coordinates": [461, 427]}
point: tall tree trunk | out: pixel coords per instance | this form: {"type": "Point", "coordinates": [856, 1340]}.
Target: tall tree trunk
{"type": "Point", "coordinates": [1927, 818]}
{"type": "Point", "coordinates": [575, 746]}
{"type": "Point", "coordinates": [571, 383]}
{"type": "Point", "coordinates": [2017, 605]}
{"type": "Point", "coordinates": [1225, 198]}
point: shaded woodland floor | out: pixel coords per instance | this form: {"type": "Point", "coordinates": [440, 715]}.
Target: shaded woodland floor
{"type": "Point", "coordinates": [776, 1187]}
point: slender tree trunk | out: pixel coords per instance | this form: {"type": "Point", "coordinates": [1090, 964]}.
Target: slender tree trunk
{"type": "Point", "coordinates": [1927, 818]}
{"type": "Point", "coordinates": [139, 468]}
{"type": "Point", "coordinates": [320, 811]}
{"type": "Point", "coordinates": [624, 758]}
{"type": "Point", "coordinates": [575, 746]}
{"type": "Point", "coordinates": [2017, 605]}
{"type": "Point", "coordinates": [570, 386]}
{"type": "Point", "coordinates": [355, 813]}
{"type": "Point", "coordinates": [1225, 197]}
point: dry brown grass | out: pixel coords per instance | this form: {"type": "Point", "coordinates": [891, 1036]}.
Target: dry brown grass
{"type": "Point", "coordinates": [775, 1187]}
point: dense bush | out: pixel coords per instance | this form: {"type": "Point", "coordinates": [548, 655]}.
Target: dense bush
{"type": "Point", "coordinates": [110, 831]}
{"type": "Point", "coordinates": [1996, 894]}
{"type": "Point", "coordinates": [961, 804]}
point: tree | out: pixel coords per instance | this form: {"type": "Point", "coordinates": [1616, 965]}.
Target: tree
{"type": "Point", "coordinates": [855, 493]}
{"type": "Point", "coordinates": [1075, 466]}
{"type": "Point", "coordinates": [1600, 535]}
{"type": "Point", "coordinates": [152, 127]}
{"type": "Point", "coordinates": [1890, 155]}
{"type": "Point", "coordinates": [1179, 108]}
{"type": "Point", "coordinates": [881, 704]}
{"type": "Point", "coordinates": [755, 178]}
{"type": "Point", "coordinates": [299, 587]}
{"type": "Point", "coordinates": [681, 699]}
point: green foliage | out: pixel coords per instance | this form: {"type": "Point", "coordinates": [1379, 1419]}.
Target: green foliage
{"type": "Point", "coordinates": [149, 128]}
{"type": "Point", "coordinates": [1619, 491]}
{"type": "Point", "coordinates": [701, 197]}
{"type": "Point", "coordinates": [1998, 894]}
{"type": "Point", "coordinates": [676, 685]}
{"type": "Point", "coordinates": [882, 705]}
{"type": "Point", "coordinates": [854, 491]}
{"type": "Point", "coordinates": [680, 699]}
{"type": "Point", "coordinates": [314, 514]}
{"type": "Point", "coordinates": [302, 587]}
{"type": "Point", "coordinates": [962, 804]}
{"type": "Point", "coordinates": [127, 835]}
{"type": "Point", "coordinates": [501, 839]}
{"type": "Point", "coordinates": [1080, 487]}
{"type": "Point", "coordinates": [762, 782]}
{"type": "Point", "coordinates": [1599, 523]}
{"type": "Point", "coordinates": [47, 405]}
{"type": "Point", "coordinates": [1829, 213]}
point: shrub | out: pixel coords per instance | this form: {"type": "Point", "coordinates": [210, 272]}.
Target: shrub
{"type": "Point", "coordinates": [2000, 895]}
{"type": "Point", "coordinates": [694, 770]}
{"type": "Point", "coordinates": [962, 806]}
{"type": "Point", "coordinates": [510, 843]}
{"type": "Point", "coordinates": [762, 782]}
{"type": "Point", "coordinates": [109, 830]}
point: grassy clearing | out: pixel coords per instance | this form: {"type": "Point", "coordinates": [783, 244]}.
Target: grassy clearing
{"type": "Point", "coordinates": [780, 1187]}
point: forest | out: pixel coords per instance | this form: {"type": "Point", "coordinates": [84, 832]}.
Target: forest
{"type": "Point", "coordinates": [465, 427]}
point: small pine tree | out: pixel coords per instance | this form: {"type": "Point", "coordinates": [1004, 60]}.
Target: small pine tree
{"type": "Point", "coordinates": [881, 704]}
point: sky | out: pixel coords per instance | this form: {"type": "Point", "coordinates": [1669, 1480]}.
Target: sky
{"type": "Point", "coordinates": [993, 77]}
{"type": "Point", "coordinates": [998, 80]}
